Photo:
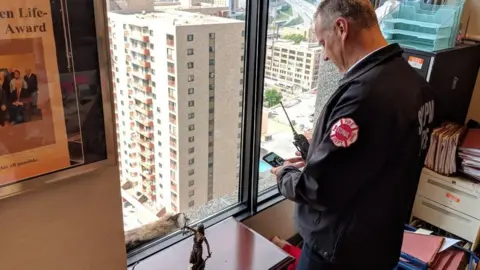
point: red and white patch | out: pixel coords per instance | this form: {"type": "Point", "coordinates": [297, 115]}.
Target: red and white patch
{"type": "Point", "coordinates": [344, 132]}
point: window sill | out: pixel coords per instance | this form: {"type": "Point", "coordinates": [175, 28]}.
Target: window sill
{"type": "Point", "coordinates": [266, 199]}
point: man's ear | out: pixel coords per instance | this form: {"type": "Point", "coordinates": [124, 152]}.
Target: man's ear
{"type": "Point", "coordinates": [342, 27]}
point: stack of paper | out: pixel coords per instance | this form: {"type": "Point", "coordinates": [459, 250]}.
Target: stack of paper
{"type": "Point", "coordinates": [469, 154]}
{"type": "Point", "coordinates": [435, 251]}
{"type": "Point", "coordinates": [441, 155]}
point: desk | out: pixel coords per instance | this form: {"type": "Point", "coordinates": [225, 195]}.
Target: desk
{"type": "Point", "coordinates": [234, 247]}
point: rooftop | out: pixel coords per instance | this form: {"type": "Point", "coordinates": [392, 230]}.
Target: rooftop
{"type": "Point", "coordinates": [174, 17]}
{"type": "Point", "coordinates": [283, 43]}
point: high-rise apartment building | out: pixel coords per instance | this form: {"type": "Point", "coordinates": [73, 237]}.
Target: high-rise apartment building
{"type": "Point", "coordinates": [294, 66]}
{"type": "Point", "coordinates": [178, 85]}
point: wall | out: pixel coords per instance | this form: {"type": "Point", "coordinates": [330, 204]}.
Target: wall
{"type": "Point", "coordinates": [75, 224]}
{"type": "Point", "coordinates": [274, 221]}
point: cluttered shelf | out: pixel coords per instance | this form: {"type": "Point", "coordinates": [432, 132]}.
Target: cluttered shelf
{"type": "Point", "coordinates": [233, 246]}
{"type": "Point", "coordinates": [447, 199]}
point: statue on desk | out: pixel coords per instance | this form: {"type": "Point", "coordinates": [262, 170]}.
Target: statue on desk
{"type": "Point", "coordinates": [196, 256]}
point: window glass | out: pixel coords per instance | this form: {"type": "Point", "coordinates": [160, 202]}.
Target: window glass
{"type": "Point", "coordinates": [191, 61]}
{"type": "Point", "coordinates": [294, 69]}
{"type": "Point", "coordinates": [51, 114]}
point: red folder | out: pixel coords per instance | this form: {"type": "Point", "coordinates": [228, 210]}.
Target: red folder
{"type": "Point", "coordinates": [422, 247]}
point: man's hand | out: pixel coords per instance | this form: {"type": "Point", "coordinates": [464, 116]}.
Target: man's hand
{"type": "Point", "coordinates": [308, 134]}
{"type": "Point", "coordinates": [297, 162]}
{"type": "Point", "coordinates": [3, 108]}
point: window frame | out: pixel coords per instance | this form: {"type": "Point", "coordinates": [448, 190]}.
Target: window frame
{"type": "Point", "coordinates": [250, 200]}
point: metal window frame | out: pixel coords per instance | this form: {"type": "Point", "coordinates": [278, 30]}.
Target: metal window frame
{"type": "Point", "coordinates": [252, 109]}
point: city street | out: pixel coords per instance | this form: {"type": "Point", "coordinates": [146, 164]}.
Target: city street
{"type": "Point", "coordinates": [304, 9]}
{"type": "Point", "coordinates": [279, 129]}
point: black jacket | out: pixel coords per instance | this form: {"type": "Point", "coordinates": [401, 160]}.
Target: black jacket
{"type": "Point", "coordinates": [363, 165]}
{"type": "Point", "coordinates": [23, 94]}
{"type": "Point", "coordinates": [3, 98]}
{"type": "Point", "coordinates": [32, 82]}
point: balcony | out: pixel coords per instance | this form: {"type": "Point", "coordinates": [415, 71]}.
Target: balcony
{"type": "Point", "coordinates": [148, 175]}
{"type": "Point", "coordinates": [137, 35]}
{"type": "Point", "coordinates": [143, 98]}
{"type": "Point", "coordinates": [145, 132]}
{"type": "Point", "coordinates": [145, 143]}
{"type": "Point", "coordinates": [171, 70]}
{"type": "Point", "coordinates": [170, 42]}
{"type": "Point", "coordinates": [171, 83]}
{"type": "Point", "coordinates": [173, 155]}
{"type": "Point", "coordinates": [146, 153]}
{"type": "Point", "coordinates": [173, 187]}
{"type": "Point", "coordinates": [142, 87]}
{"type": "Point", "coordinates": [146, 121]}
{"type": "Point", "coordinates": [141, 62]}
{"type": "Point", "coordinates": [140, 50]}
{"type": "Point", "coordinates": [143, 110]}
{"type": "Point", "coordinates": [147, 165]}
{"type": "Point", "coordinates": [141, 74]}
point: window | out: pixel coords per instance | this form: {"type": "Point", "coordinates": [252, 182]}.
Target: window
{"type": "Point", "coordinates": [183, 59]}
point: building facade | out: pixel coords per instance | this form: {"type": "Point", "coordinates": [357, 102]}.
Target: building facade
{"type": "Point", "coordinates": [178, 85]}
{"type": "Point", "coordinates": [294, 67]}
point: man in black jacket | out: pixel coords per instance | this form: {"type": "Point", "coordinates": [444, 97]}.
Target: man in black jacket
{"type": "Point", "coordinates": [362, 169]}
{"type": "Point", "coordinates": [32, 86]}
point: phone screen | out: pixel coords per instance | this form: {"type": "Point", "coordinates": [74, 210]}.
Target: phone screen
{"type": "Point", "coordinates": [273, 159]}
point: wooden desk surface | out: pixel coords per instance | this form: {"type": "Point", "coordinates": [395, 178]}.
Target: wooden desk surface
{"type": "Point", "coordinates": [234, 247]}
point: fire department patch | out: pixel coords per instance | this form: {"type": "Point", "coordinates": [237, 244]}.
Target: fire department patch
{"type": "Point", "coordinates": [344, 132]}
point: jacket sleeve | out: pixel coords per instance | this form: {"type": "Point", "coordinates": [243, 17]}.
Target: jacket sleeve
{"type": "Point", "coordinates": [354, 146]}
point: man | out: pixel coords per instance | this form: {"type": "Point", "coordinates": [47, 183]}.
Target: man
{"type": "Point", "coordinates": [17, 107]}
{"type": "Point", "coordinates": [32, 86]}
{"type": "Point", "coordinates": [361, 172]}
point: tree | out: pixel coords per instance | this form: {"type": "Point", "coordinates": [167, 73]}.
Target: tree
{"type": "Point", "coordinates": [296, 38]}
{"type": "Point", "coordinates": [272, 97]}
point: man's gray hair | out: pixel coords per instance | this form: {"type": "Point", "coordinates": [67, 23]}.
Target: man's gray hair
{"type": "Point", "coordinates": [358, 12]}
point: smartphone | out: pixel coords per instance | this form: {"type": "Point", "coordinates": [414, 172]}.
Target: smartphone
{"type": "Point", "coordinates": [273, 159]}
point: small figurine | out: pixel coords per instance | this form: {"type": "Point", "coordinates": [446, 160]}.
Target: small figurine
{"type": "Point", "coordinates": [196, 256]}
